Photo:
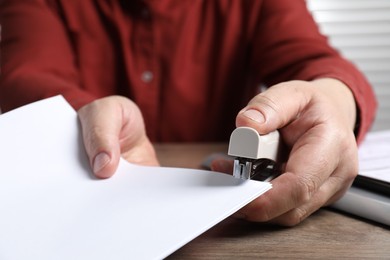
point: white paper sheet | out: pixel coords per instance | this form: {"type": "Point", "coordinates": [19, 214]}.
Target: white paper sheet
{"type": "Point", "coordinates": [52, 207]}
{"type": "Point", "coordinates": [374, 156]}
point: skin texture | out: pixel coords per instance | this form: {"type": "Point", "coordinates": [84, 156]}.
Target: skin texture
{"type": "Point", "coordinates": [112, 128]}
{"type": "Point", "coordinates": [315, 119]}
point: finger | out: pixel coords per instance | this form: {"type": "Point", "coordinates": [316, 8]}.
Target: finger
{"type": "Point", "coordinates": [100, 138]}
{"type": "Point", "coordinates": [103, 123]}
{"type": "Point", "coordinates": [283, 197]}
{"type": "Point", "coordinates": [330, 192]}
{"type": "Point", "coordinates": [293, 198]}
{"type": "Point", "coordinates": [141, 153]}
{"type": "Point", "coordinates": [275, 107]}
{"type": "Point", "coordinates": [309, 165]}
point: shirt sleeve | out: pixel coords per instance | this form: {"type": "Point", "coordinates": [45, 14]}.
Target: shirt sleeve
{"type": "Point", "coordinates": [37, 57]}
{"type": "Point", "coordinates": [287, 45]}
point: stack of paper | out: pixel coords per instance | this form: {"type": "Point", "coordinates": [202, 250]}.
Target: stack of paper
{"type": "Point", "coordinates": [367, 198]}
{"type": "Point", "coordinates": [374, 156]}
{"type": "Point", "coordinates": [53, 208]}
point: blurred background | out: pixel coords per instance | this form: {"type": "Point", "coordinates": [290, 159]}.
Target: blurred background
{"type": "Point", "coordinates": [360, 30]}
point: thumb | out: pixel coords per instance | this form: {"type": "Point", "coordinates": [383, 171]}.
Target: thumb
{"type": "Point", "coordinates": [102, 122]}
{"type": "Point", "coordinates": [276, 107]}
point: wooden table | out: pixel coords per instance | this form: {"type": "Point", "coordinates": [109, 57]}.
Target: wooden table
{"type": "Point", "coordinates": [325, 235]}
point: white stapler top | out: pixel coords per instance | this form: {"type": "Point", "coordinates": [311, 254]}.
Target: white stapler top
{"type": "Point", "coordinates": [256, 154]}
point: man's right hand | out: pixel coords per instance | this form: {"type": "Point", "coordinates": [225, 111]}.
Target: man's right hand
{"type": "Point", "coordinates": [113, 127]}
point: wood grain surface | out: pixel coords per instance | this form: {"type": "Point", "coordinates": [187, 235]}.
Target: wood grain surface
{"type": "Point", "coordinates": [325, 235]}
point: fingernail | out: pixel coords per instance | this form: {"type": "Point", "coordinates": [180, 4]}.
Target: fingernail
{"type": "Point", "coordinates": [101, 160]}
{"type": "Point", "coordinates": [254, 115]}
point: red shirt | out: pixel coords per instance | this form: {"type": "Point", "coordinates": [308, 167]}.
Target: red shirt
{"type": "Point", "coordinates": [190, 65]}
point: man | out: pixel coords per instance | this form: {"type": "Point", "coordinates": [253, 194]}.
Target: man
{"type": "Point", "coordinates": [186, 70]}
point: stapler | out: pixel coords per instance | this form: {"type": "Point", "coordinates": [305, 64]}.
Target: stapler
{"type": "Point", "coordinates": [255, 155]}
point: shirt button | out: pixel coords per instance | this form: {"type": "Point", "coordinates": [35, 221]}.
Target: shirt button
{"type": "Point", "coordinates": [145, 13]}
{"type": "Point", "coordinates": [147, 76]}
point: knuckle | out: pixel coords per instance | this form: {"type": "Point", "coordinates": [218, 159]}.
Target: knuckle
{"type": "Point", "coordinates": [352, 172]}
{"type": "Point", "coordinates": [307, 186]}
{"type": "Point", "coordinates": [268, 105]}
{"type": "Point", "coordinates": [350, 163]}
{"type": "Point", "coordinates": [293, 218]}
{"type": "Point", "coordinates": [263, 216]}
{"type": "Point", "coordinates": [264, 100]}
